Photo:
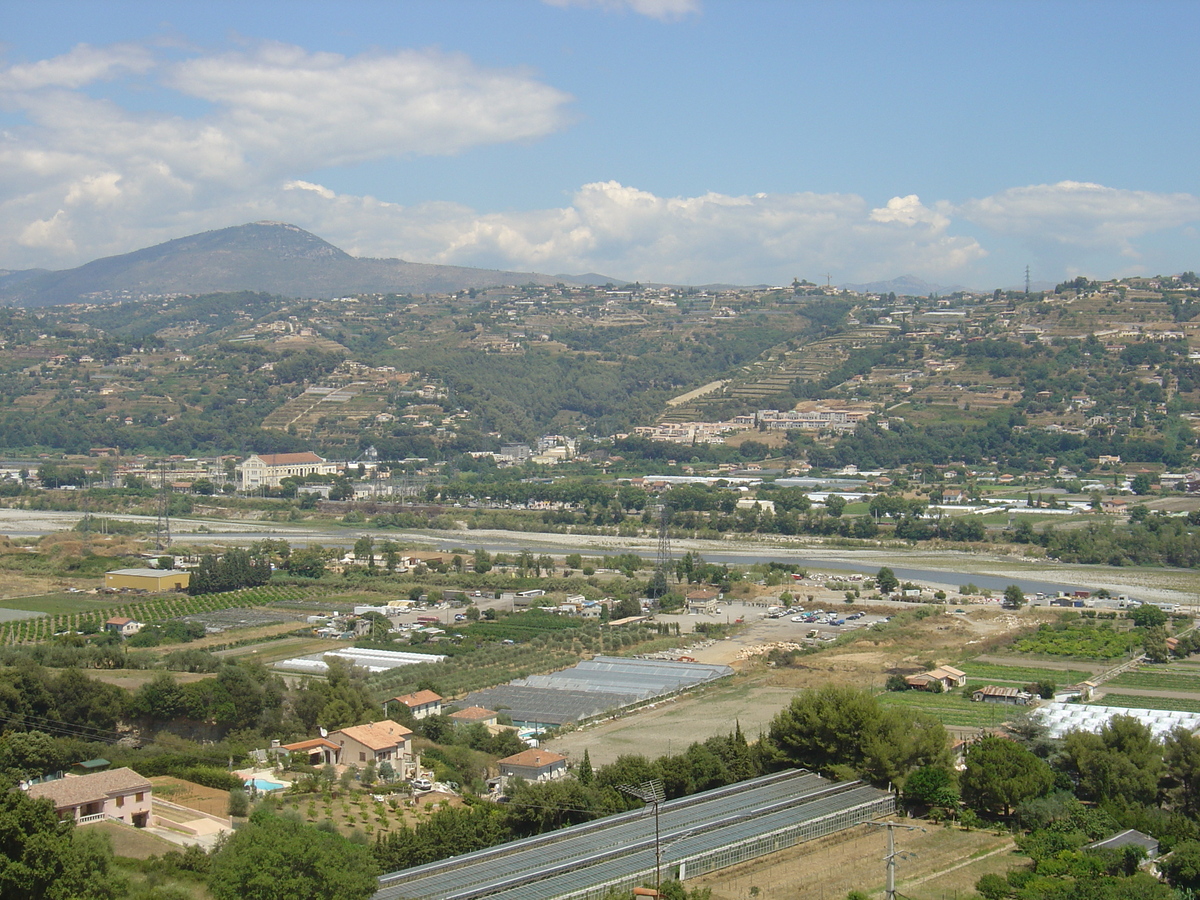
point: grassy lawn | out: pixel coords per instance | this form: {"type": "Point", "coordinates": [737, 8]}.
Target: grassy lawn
{"type": "Point", "coordinates": [951, 709]}
{"type": "Point", "coordinates": [1130, 701]}
{"type": "Point", "coordinates": [1156, 680]}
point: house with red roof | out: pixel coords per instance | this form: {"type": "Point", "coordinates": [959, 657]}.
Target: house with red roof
{"type": "Point", "coordinates": [421, 704]}
{"type": "Point", "coordinates": [120, 794]}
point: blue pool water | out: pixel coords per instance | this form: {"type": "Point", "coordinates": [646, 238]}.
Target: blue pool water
{"type": "Point", "coordinates": [264, 785]}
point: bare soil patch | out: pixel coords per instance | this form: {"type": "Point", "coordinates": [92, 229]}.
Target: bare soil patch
{"type": "Point", "coordinates": [193, 796]}
{"type": "Point", "coordinates": [831, 867]}
{"type": "Point", "coordinates": [132, 679]}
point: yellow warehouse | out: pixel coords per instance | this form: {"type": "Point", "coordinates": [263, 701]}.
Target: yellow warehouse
{"type": "Point", "coordinates": [148, 579]}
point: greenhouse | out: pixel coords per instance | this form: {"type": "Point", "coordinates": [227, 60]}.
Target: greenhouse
{"type": "Point", "coordinates": [592, 688]}
{"type": "Point", "coordinates": [698, 834]}
{"type": "Point", "coordinates": [1061, 718]}
{"type": "Point", "coordinates": [371, 660]}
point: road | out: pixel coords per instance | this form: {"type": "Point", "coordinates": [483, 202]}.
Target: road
{"type": "Point", "coordinates": [946, 569]}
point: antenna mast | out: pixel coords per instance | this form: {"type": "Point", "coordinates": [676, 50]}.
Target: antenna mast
{"type": "Point", "coordinates": [1027, 281]}
{"type": "Point", "coordinates": [163, 528]}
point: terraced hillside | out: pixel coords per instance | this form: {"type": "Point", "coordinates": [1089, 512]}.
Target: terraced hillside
{"type": "Point", "coordinates": [776, 373]}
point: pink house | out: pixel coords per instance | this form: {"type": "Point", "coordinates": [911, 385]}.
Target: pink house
{"type": "Point", "coordinates": [377, 742]}
{"type": "Point", "coordinates": [120, 794]}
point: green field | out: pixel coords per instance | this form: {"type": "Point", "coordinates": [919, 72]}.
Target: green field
{"type": "Point", "coordinates": [987, 673]}
{"type": "Point", "coordinates": [1130, 701]}
{"type": "Point", "coordinates": [1154, 680]}
{"type": "Point", "coordinates": [951, 709]}
{"type": "Point", "coordinates": [59, 604]}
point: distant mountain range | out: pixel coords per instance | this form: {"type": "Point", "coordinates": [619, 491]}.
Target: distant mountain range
{"type": "Point", "coordinates": [909, 285]}
{"type": "Point", "coordinates": [273, 257]}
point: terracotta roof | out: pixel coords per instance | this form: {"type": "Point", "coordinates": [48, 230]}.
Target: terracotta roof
{"type": "Point", "coordinates": [290, 459]}
{"type": "Point", "coordinates": [310, 744]}
{"type": "Point", "coordinates": [119, 620]}
{"type": "Point", "coordinates": [376, 735]}
{"type": "Point", "coordinates": [420, 698]}
{"type": "Point", "coordinates": [75, 790]}
{"type": "Point", "coordinates": [948, 670]}
{"type": "Point", "coordinates": [471, 713]}
{"type": "Point", "coordinates": [532, 759]}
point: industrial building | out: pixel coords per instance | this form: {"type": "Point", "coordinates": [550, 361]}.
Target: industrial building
{"type": "Point", "coordinates": [147, 579]}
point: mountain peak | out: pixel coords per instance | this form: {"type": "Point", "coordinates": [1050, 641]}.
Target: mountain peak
{"type": "Point", "coordinates": [272, 257]}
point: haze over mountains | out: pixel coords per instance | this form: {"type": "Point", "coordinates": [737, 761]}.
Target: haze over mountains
{"type": "Point", "coordinates": [278, 258]}
{"type": "Point", "coordinates": [262, 256]}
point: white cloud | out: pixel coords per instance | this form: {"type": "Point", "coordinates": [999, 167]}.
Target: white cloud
{"type": "Point", "coordinates": [318, 189]}
{"type": "Point", "coordinates": [98, 172]}
{"type": "Point", "coordinates": [48, 233]}
{"type": "Point", "coordinates": [291, 106]}
{"type": "Point", "coordinates": [625, 232]}
{"type": "Point", "coordinates": [1081, 215]}
{"type": "Point", "coordinates": [82, 65]}
{"type": "Point", "coordinates": [663, 10]}
{"type": "Point", "coordinates": [910, 211]}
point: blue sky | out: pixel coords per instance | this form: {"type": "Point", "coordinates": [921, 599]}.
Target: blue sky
{"type": "Point", "coordinates": [688, 141]}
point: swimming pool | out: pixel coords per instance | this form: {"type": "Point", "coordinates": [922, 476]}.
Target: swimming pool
{"type": "Point", "coordinates": [263, 785]}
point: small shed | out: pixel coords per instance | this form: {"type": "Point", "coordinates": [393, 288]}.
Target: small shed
{"type": "Point", "coordinates": [992, 693]}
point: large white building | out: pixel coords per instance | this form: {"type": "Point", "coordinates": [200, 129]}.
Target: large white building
{"type": "Point", "coordinates": [270, 469]}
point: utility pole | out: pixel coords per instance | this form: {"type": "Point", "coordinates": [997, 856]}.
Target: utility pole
{"type": "Point", "coordinates": [890, 892]}
{"type": "Point", "coordinates": [650, 792]}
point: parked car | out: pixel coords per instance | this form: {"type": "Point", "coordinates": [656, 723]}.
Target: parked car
{"type": "Point", "coordinates": [422, 784]}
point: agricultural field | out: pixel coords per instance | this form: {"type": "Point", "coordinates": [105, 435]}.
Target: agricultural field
{"type": "Point", "coordinates": [150, 608]}
{"type": "Point", "coordinates": [951, 709]}
{"type": "Point", "coordinates": [1131, 701]}
{"type": "Point", "coordinates": [359, 811]}
{"type": "Point", "coordinates": [56, 604]}
{"type": "Point", "coordinates": [1156, 680]}
{"type": "Point", "coordinates": [1018, 676]}
{"type": "Point", "coordinates": [940, 863]}
{"type": "Point", "coordinates": [1079, 640]}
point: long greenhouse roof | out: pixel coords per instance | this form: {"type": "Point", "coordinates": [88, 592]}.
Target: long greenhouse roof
{"type": "Point", "coordinates": [569, 860]}
{"type": "Point", "coordinates": [593, 687]}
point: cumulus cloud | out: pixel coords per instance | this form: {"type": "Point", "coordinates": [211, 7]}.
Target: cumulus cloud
{"type": "Point", "coordinates": [301, 108]}
{"type": "Point", "coordinates": [1081, 214]}
{"type": "Point", "coordinates": [910, 211]}
{"type": "Point", "coordinates": [626, 232]}
{"type": "Point", "coordinates": [98, 171]}
{"type": "Point", "coordinates": [663, 10]}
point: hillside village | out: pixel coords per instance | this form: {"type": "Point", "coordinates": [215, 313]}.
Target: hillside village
{"type": "Point", "coordinates": [363, 667]}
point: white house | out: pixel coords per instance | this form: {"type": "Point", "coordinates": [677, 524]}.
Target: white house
{"type": "Point", "coordinates": [271, 468]}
